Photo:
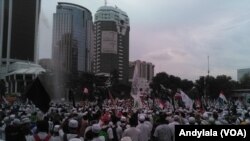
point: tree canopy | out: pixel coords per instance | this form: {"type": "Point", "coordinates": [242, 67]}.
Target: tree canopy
{"type": "Point", "coordinates": [164, 85]}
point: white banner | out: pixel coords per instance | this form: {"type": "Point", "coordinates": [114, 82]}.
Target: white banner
{"type": "Point", "coordinates": [109, 42]}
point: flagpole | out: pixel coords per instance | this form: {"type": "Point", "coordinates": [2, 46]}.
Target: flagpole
{"type": "Point", "coordinates": [207, 80]}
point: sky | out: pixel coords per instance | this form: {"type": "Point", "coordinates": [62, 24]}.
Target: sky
{"type": "Point", "coordinates": [177, 36]}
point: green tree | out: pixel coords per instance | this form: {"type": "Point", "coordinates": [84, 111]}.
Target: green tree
{"type": "Point", "coordinates": [165, 86]}
{"type": "Point", "coordinates": [200, 85]}
{"type": "Point", "coordinates": [159, 84]}
{"type": "Point", "coordinates": [213, 86]}
{"type": "Point", "coordinates": [186, 85]}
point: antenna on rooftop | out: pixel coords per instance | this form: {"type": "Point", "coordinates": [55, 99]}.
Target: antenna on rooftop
{"type": "Point", "coordinates": [105, 2]}
{"type": "Point", "coordinates": [208, 68]}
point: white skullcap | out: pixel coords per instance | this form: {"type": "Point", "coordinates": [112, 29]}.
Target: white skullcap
{"type": "Point", "coordinates": [26, 120]}
{"type": "Point", "coordinates": [12, 117]}
{"type": "Point", "coordinates": [126, 139]}
{"type": "Point", "coordinates": [211, 120]}
{"type": "Point", "coordinates": [218, 123]}
{"type": "Point", "coordinates": [247, 121]}
{"type": "Point", "coordinates": [118, 123]}
{"type": "Point", "coordinates": [123, 118]}
{"type": "Point", "coordinates": [56, 128]}
{"type": "Point", "coordinates": [141, 118]}
{"type": "Point", "coordinates": [75, 139]}
{"type": "Point", "coordinates": [85, 113]}
{"type": "Point", "coordinates": [111, 124]}
{"type": "Point", "coordinates": [96, 128]}
{"type": "Point", "coordinates": [205, 115]}
{"type": "Point", "coordinates": [6, 119]}
{"type": "Point", "coordinates": [16, 121]}
{"type": "Point", "coordinates": [204, 122]}
{"type": "Point", "coordinates": [73, 123]}
{"type": "Point", "coordinates": [191, 120]}
{"type": "Point", "coordinates": [248, 108]}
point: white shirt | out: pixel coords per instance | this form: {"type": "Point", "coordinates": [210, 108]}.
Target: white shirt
{"type": "Point", "coordinates": [134, 133]}
{"type": "Point", "coordinates": [172, 127]}
{"type": "Point", "coordinates": [110, 133]}
{"type": "Point", "coordinates": [163, 133]}
{"type": "Point", "coordinates": [41, 135]}
{"type": "Point", "coordinates": [144, 128]}
{"type": "Point", "coordinates": [69, 136]}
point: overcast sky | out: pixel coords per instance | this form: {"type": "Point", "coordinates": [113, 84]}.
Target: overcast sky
{"type": "Point", "coordinates": [176, 35]}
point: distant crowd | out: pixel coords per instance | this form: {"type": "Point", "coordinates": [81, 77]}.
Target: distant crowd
{"type": "Point", "coordinates": [110, 121]}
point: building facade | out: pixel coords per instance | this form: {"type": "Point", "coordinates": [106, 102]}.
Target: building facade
{"type": "Point", "coordinates": [72, 38]}
{"type": "Point", "coordinates": [242, 72]}
{"type": "Point", "coordinates": [111, 42]}
{"type": "Point", "coordinates": [145, 70]}
{"type": "Point", "coordinates": [18, 43]}
{"type": "Point", "coordinates": [18, 30]}
{"type": "Point", "coordinates": [21, 76]}
{"type": "Point", "coordinates": [46, 63]}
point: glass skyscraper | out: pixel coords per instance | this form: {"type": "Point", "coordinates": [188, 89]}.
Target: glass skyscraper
{"type": "Point", "coordinates": [72, 38]}
{"type": "Point", "coordinates": [18, 30]}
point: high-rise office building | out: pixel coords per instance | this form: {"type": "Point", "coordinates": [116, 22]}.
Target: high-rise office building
{"type": "Point", "coordinates": [111, 42]}
{"type": "Point", "coordinates": [18, 43]}
{"type": "Point", "coordinates": [242, 72]}
{"type": "Point", "coordinates": [18, 30]}
{"type": "Point", "coordinates": [145, 70]}
{"type": "Point", "coordinates": [72, 38]}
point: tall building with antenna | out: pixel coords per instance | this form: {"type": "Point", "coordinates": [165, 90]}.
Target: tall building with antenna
{"type": "Point", "coordinates": [111, 42]}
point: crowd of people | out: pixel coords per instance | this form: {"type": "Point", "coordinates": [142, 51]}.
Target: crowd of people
{"type": "Point", "coordinates": [110, 121]}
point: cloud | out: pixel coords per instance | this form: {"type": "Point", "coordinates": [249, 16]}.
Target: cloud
{"type": "Point", "coordinates": [215, 29]}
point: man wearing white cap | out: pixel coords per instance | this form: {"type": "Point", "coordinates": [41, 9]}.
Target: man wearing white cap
{"type": "Point", "coordinates": [42, 131]}
{"type": "Point", "coordinates": [126, 139]}
{"type": "Point", "coordinates": [73, 131]}
{"type": "Point", "coordinates": [162, 131]}
{"type": "Point", "coordinates": [55, 136]}
{"type": "Point", "coordinates": [144, 128]}
{"type": "Point", "coordinates": [172, 125]}
{"type": "Point", "coordinates": [96, 128]}
{"type": "Point", "coordinates": [110, 131]}
{"type": "Point", "coordinates": [134, 133]}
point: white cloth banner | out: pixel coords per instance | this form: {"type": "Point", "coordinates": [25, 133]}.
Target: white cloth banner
{"type": "Point", "coordinates": [187, 101]}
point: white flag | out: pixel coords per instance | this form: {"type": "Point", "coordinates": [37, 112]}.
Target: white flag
{"type": "Point", "coordinates": [222, 96]}
{"type": "Point", "coordinates": [187, 101]}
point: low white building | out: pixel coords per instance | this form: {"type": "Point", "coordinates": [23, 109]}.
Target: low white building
{"type": "Point", "coordinates": [19, 75]}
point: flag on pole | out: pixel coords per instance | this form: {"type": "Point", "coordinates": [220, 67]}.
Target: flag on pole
{"type": "Point", "coordinates": [187, 101]}
{"type": "Point", "coordinates": [162, 87]}
{"type": "Point", "coordinates": [111, 97]}
{"type": "Point", "coordinates": [222, 97]}
{"type": "Point", "coordinates": [5, 101]}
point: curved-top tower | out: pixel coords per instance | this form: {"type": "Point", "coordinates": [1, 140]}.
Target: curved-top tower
{"type": "Point", "coordinates": [72, 38]}
{"type": "Point", "coordinates": [111, 44]}
{"type": "Point", "coordinates": [72, 41]}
